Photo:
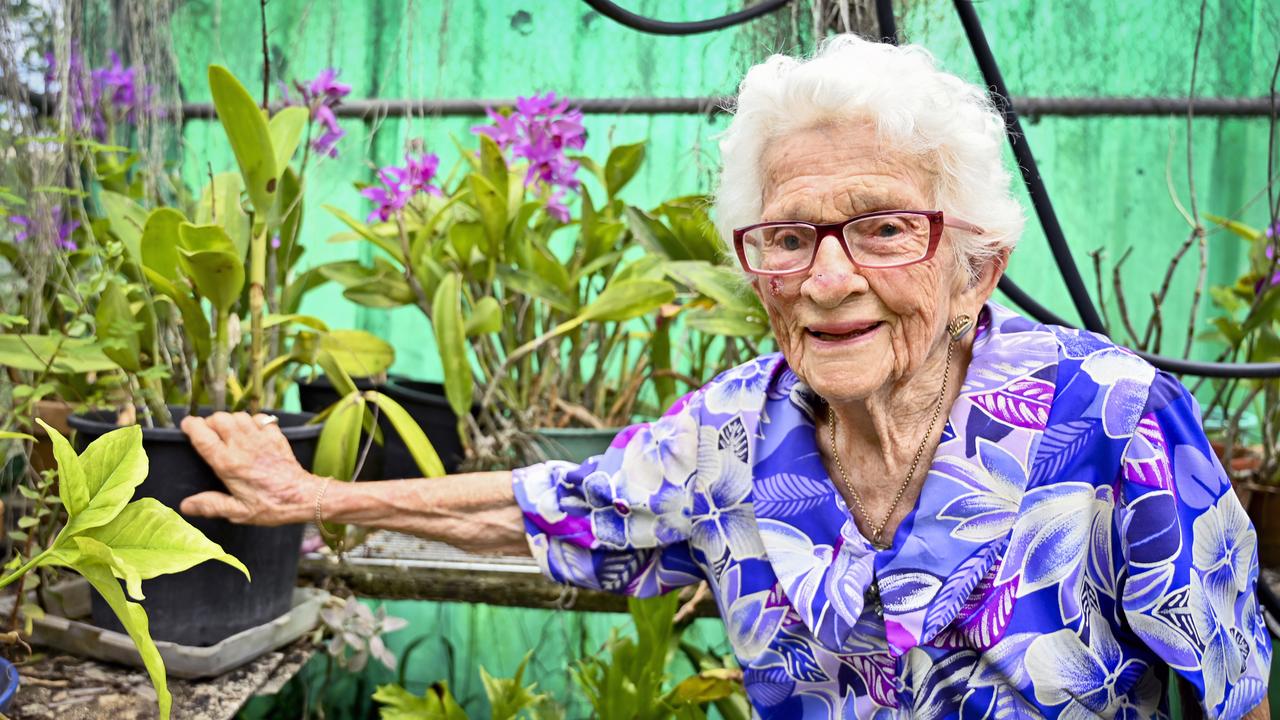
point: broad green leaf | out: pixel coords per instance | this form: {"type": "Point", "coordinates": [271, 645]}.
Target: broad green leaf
{"type": "Point", "coordinates": [391, 247]}
{"type": "Point", "coordinates": [384, 291]}
{"type": "Point", "coordinates": [1232, 334]}
{"type": "Point", "coordinates": [486, 317]}
{"type": "Point", "coordinates": [8, 435]}
{"type": "Point", "coordinates": [621, 166]}
{"type": "Point", "coordinates": [1266, 311]}
{"type": "Point", "coordinates": [152, 540]}
{"type": "Point", "coordinates": [286, 128]}
{"type": "Point", "coordinates": [270, 320]}
{"type": "Point", "coordinates": [492, 206]}
{"type": "Point", "coordinates": [492, 163]}
{"type": "Point", "coordinates": [118, 328]}
{"type": "Point", "coordinates": [657, 237]}
{"type": "Point", "coordinates": [541, 262]}
{"type": "Point", "coordinates": [127, 220]}
{"type": "Point", "coordinates": [113, 466]}
{"type": "Point", "coordinates": [707, 686]}
{"type": "Point", "coordinates": [358, 352]}
{"type": "Point", "coordinates": [629, 299]}
{"type": "Point", "coordinates": [339, 444]}
{"type": "Point", "coordinates": [95, 566]}
{"type": "Point", "coordinates": [73, 488]}
{"type": "Point", "coordinates": [160, 241]}
{"type": "Point", "coordinates": [717, 282]}
{"type": "Point", "coordinates": [209, 258]}
{"type": "Point", "coordinates": [220, 205]}
{"type": "Point", "coordinates": [249, 136]}
{"type": "Point", "coordinates": [420, 447]}
{"type": "Point", "coordinates": [466, 237]}
{"type": "Point", "coordinates": [341, 380]}
{"type": "Point", "coordinates": [1226, 299]}
{"type": "Point", "coordinates": [291, 202]}
{"type": "Point", "coordinates": [451, 339]}
{"type": "Point", "coordinates": [725, 320]}
{"type": "Point", "coordinates": [537, 287]}
{"type": "Point", "coordinates": [53, 352]}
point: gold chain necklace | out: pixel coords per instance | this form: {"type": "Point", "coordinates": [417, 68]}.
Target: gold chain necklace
{"type": "Point", "coordinates": [958, 326]}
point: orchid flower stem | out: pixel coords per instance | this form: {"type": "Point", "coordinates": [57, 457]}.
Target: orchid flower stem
{"type": "Point", "coordinates": [24, 569]}
{"type": "Point", "coordinates": [257, 285]}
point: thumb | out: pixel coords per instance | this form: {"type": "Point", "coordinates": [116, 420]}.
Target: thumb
{"type": "Point", "coordinates": [213, 504]}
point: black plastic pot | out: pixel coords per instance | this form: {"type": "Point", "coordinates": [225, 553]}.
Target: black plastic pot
{"type": "Point", "coordinates": [426, 403]}
{"type": "Point", "coordinates": [211, 601]}
{"type": "Point", "coordinates": [315, 396]}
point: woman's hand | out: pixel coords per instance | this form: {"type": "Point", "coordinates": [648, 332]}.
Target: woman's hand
{"type": "Point", "coordinates": [254, 460]}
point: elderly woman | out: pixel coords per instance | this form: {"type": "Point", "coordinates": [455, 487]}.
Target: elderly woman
{"type": "Point", "coordinates": [925, 505]}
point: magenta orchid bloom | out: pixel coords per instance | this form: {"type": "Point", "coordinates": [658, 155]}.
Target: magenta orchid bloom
{"type": "Point", "coordinates": [401, 184]}
{"type": "Point", "coordinates": [540, 131]}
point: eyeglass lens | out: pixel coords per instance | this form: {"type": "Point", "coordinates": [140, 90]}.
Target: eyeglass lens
{"type": "Point", "coordinates": [879, 241]}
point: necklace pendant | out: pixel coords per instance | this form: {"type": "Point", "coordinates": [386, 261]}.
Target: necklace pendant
{"type": "Point", "coordinates": [872, 598]}
{"type": "Point", "coordinates": [879, 545]}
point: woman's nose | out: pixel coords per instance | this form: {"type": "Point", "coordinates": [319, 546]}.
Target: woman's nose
{"type": "Point", "coordinates": [833, 276]}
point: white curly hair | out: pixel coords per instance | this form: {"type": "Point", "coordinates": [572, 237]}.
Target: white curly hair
{"type": "Point", "coordinates": [916, 108]}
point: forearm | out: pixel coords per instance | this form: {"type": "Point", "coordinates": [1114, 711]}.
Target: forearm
{"type": "Point", "coordinates": [1261, 712]}
{"type": "Point", "coordinates": [476, 512]}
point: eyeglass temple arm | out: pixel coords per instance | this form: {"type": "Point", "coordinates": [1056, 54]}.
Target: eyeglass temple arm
{"type": "Point", "coordinates": [963, 226]}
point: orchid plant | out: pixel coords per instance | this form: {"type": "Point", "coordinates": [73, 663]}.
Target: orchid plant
{"type": "Point", "coordinates": [1250, 330]}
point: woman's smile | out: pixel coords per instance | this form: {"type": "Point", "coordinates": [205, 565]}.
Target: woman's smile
{"type": "Point", "coordinates": [833, 335]}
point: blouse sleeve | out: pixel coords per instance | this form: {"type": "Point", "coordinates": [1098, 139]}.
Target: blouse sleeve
{"type": "Point", "coordinates": [619, 522]}
{"type": "Point", "coordinates": [1190, 556]}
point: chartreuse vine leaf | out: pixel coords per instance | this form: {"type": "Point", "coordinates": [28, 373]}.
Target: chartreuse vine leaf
{"type": "Point", "coordinates": [250, 138]}
{"type": "Point", "coordinates": [73, 489]}
{"type": "Point", "coordinates": [160, 241]}
{"type": "Point", "coordinates": [150, 539]}
{"type": "Point", "coordinates": [95, 565]}
{"type": "Point", "coordinates": [7, 435]}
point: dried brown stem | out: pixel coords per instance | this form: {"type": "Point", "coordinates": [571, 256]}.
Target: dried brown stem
{"type": "Point", "coordinates": [1121, 305]}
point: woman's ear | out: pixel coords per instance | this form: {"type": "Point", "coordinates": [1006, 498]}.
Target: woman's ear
{"type": "Point", "coordinates": [984, 283]}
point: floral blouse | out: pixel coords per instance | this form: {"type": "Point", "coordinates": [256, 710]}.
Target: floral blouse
{"type": "Point", "coordinates": [1075, 538]}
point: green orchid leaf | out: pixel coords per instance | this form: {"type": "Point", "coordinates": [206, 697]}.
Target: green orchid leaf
{"type": "Point", "coordinates": [646, 267]}
{"type": "Point", "coordinates": [493, 166]}
{"type": "Point", "coordinates": [209, 258]}
{"type": "Point", "coordinates": [729, 321]}
{"type": "Point", "coordinates": [388, 245]}
{"type": "Point", "coordinates": [719, 283]}
{"type": "Point", "coordinates": [623, 163]}
{"type": "Point", "coordinates": [629, 299]}
{"type": "Point", "coordinates": [341, 380]}
{"type": "Point", "coordinates": [61, 354]}
{"type": "Point", "coordinates": [1244, 231]}
{"type": "Point", "coordinates": [110, 469]}
{"type": "Point", "coordinates": [220, 205]}
{"type": "Point", "coordinates": [151, 539]}
{"type": "Point", "coordinates": [286, 129]}
{"type": "Point", "coordinates": [73, 488]}
{"type": "Point", "coordinates": [1265, 312]}
{"type": "Point", "coordinates": [194, 323]}
{"type": "Point", "coordinates": [509, 696]}
{"type": "Point", "coordinates": [249, 135]}
{"type": "Point", "coordinates": [8, 435]}
{"type": "Point", "coordinates": [339, 444]}
{"type": "Point", "coordinates": [270, 320]}
{"type": "Point", "coordinates": [127, 220]}
{"type": "Point", "coordinates": [291, 202]}
{"type": "Point", "coordinates": [358, 352]}
{"type": "Point", "coordinates": [492, 206]}
{"type": "Point", "coordinates": [118, 328]}
{"type": "Point", "coordinates": [420, 447]}
{"type": "Point", "coordinates": [537, 287]}
{"type": "Point", "coordinates": [486, 317]}
{"type": "Point", "coordinates": [707, 686]}
{"type": "Point", "coordinates": [451, 338]}
{"type": "Point", "coordinates": [160, 241]}
{"type": "Point", "coordinates": [657, 237]}
{"type": "Point", "coordinates": [94, 564]}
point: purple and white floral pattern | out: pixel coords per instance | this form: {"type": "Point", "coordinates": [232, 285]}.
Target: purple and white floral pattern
{"type": "Point", "coordinates": [1075, 537]}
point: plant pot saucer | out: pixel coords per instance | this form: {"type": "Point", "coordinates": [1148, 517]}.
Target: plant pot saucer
{"type": "Point", "coordinates": [66, 627]}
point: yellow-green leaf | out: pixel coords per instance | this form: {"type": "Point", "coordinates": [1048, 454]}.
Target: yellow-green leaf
{"type": "Point", "coordinates": [249, 136]}
{"type": "Point", "coordinates": [7, 435]}
{"type": "Point", "coordinates": [57, 353]}
{"type": "Point", "coordinates": [209, 258]}
{"type": "Point", "coordinates": [420, 447]}
{"type": "Point", "coordinates": [629, 299]}
{"type": "Point", "coordinates": [358, 352]}
{"type": "Point", "coordinates": [451, 338]}
{"type": "Point", "coordinates": [339, 443]}
{"type": "Point", "coordinates": [160, 241]}
{"type": "Point", "coordinates": [95, 566]}
{"type": "Point", "coordinates": [486, 317]}
{"type": "Point", "coordinates": [117, 327]}
{"type": "Point", "coordinates": [102, 480]}
{"type": "Point", "coordinates": [621, 166]}
{"type": "Point", "coordinates": [286, 128]}
{"type": "Point", "coordinates": [127, 220]}
{"type": "Point", "coordinates": [220, 205]}
{"type": "Point", "coordinates": [388, 245]}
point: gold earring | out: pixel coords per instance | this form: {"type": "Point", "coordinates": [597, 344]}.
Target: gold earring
{"type": "Point", "coordinates": [959, 326]}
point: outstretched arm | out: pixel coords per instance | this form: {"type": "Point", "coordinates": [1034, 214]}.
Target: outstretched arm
{"type": "Point", "coordinates": [475, 512]}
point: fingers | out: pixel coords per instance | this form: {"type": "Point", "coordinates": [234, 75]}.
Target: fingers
{"type": "Point", "coordinates": [203, 438]}
{"type": "Point", "coordinates": [245, 424]}
{"type": "Point", "coordinates": [224, 424]}
{"type": "Point", "coordinates": [272, 432]}
{"type": "Point", "coordinates": [214, 504]}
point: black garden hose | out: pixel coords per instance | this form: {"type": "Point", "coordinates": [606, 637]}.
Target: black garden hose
{"type": "Point", "coordinates": [660, 27]}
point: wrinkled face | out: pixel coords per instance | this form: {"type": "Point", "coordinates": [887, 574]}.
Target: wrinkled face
{"type": "Point", "coordinates": [846, 332]}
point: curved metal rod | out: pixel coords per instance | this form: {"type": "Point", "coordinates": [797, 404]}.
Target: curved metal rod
{"type": "Point", "coordinates": [661, 27]}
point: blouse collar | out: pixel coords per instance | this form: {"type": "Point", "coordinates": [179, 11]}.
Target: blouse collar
{"type": "Point", "coordinates": [958, 530]}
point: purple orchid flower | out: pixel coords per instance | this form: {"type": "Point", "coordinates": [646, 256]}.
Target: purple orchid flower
{"type": "Point", "coordinates": [401, 183]}
{"type": "Point", "coordinates": [23, 222]}
{"type": "Point", "coordinates": [64, 229]}
{"type": "Point", "coordinates": [321, 95]}
{"type": "Point", "coordinates": [540, 131]}
{"type": "Point", "coordinates": [100, 96]}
